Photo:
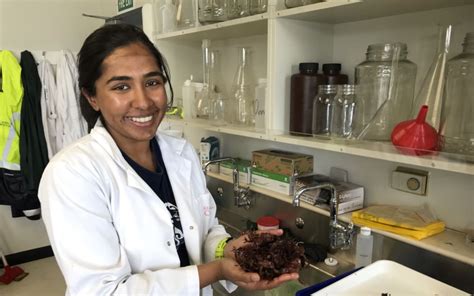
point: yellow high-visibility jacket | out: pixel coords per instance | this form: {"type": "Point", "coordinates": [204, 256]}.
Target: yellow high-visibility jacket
{"type": "Point", "coordinates": [11, 96]}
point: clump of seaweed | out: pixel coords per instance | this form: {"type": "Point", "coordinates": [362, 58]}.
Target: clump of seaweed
{"type": "Point", "coordinates": [270, 256]}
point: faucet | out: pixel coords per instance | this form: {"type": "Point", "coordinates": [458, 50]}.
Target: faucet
{"type": "Point", "coordinates": [340, 234]}
{"type": "Point", "coordinates": [241, 194]}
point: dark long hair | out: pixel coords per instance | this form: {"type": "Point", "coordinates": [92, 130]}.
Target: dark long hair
{"type": "Point", "coordinates": [97, 47]}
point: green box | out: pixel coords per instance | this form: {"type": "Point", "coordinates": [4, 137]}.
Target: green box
{"type": "Point", "coordinates": [273, 181]}
{"type": "Point", "coordinates": [124, 4]}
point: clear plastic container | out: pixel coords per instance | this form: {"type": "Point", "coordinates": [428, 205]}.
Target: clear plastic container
{"type": "Point", "coordinates": [243, 89]}
{"type": "Point", "coordinates": [364, 247]}
{"type": "Point", "coordinates": [457, 116]}
{"type": "Point", "coordinates": [386, 83]}
{"type": "Point", "coordinates": [323, 110]}
{"type": "Point", "coordinates": [344, 111]}
{"type": "Point", "coordinates": [258, 6]}
{"type": "Point", "coordinates": [212, 11]}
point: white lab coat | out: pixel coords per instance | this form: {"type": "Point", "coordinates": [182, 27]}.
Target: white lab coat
{"type": "Point", "coordinates": [109, 231]}
{"type": "Point", "coordinates": [48, 105]}
{"type": "Point", "coordinates": [70, 125]}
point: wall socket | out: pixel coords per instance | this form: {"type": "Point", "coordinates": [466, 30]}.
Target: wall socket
{"type": "Point", "coordinates": [410, 180]}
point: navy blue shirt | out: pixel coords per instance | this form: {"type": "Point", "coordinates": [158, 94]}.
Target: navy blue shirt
{"type": "Point", "coordinates": [160, 183]}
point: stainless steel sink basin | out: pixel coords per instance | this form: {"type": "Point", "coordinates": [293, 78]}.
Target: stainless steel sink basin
{"type": "Point", "coordinates": [309, 275]}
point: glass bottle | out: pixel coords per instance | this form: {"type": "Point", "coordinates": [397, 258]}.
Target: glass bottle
{"type": "Point", "coordinates": [457, 116]}
{"type": "Point", "coordinates": [185, 16]}
{"type": "Point", "coordinates": [304, 87]}
{"type": "Point", "coordinates": [322, 109]}
{"type": "Point", "coordinates": [237, 8]}
{"type": "Point", "coordinates": [243, 89]}
{"type": "Point", "coordinates": [258, 6]}
{"type": "Point", "coordinates": [260, 94]}
{"type": "Point", "coordinates": [168, 17]}
{"type": "Point", "coordinates": [212, 11]}
{"type": "Point", "coordinates": [204, 97]}
{"type": "Point", "coordinates": [333, 74]}
{"type": "Point", "coordinates": [386, 82]}
{"type": "Point", "coordinates": [344, 111]}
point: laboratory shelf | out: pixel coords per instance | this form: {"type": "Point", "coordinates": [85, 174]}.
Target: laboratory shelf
{"type": "Point", "coordinates": [343, 11]}
{"type": "Point", "coordinates": [241, 27]}
{"type": "Point", "coordinates": [450, 243]}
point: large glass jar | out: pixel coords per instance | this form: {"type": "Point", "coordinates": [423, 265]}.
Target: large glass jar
{"type": "Point", "coordinates": [212, 11]}
{"type": "Point", "coordinates": [386, 83]}
{"type": "Point", "coordinates": [258, 6]}
{"type": "Point", "coordinates": [237, 8]}
{"type": "Point", "coordinates": [296, 3]}
{"type": "Point", "coordinates": [457, 116]}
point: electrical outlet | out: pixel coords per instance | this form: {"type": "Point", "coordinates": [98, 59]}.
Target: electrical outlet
{"type": "Point", "coordinates": [410, 180]}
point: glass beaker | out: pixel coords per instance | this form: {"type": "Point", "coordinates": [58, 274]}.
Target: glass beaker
{"type": "Point", "coordinates": [344, 111]}
{"type": "Point", "coordinates": [457, 116]}
{"type": "Point", "coordinates": [322, 109]}
{"type": "Point", "coordinates": [237, 8]}
{"type": "Point", "coordinates": [243, 89]}
{"type": "Point", "coordinates": [212, 11]}
{"type": "Point", "coordinates": [385, 82]}
{"type": "Point", "coordinates": [258, 6]}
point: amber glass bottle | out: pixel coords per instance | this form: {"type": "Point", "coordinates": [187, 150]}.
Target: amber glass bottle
{"type": "Point", "coordinates": [304, 86]}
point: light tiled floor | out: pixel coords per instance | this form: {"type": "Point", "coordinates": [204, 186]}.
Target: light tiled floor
{"type": "Point", "coordinates": [44, 279]}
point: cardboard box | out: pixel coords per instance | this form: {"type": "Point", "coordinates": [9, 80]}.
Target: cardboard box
{"type": "Point", "coordinates": [272, 181]}
{"type": "Point", "coordinates": [282, 162]}
{"type": "Point", "coordinates": [243, 166]}
{"type": "Point", "coordinates": [351, 196]}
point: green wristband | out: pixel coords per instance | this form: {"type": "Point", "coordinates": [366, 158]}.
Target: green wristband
{"type": "Point", "coordinates": [220, 248]}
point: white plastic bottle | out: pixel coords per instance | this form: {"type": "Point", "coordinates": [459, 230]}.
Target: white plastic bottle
{"type": "Point", "coordinates": [364, 247]}
{"type": "Point", "coordinates": [168, 17]}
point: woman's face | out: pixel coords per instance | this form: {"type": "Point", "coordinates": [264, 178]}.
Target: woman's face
{"type": "Point", "coordinates": [130, 95]}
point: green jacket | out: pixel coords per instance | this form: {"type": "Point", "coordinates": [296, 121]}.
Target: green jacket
{"type": "Point", "coordinates": [11, 97]}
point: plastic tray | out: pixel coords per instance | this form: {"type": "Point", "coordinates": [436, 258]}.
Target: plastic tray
{"type": "Point", "coordinates": [386, 277]}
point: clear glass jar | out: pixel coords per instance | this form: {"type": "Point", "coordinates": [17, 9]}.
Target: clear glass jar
{"type": "Point", "coordinates": [237, 8]}
{"type": "Point", "coordinates": [344, 111]}
{"type": "Point", "coordinates": [457, 116]}
{"type": "Point", "coordinates": [212, 11]}
{"type": "Point", "coordinates": [323, 109]}
{"type": "Point", "coordinates": [296, 3]}
{"type": "Point", "coordinates": [386, 85]}
{"type": "Point", "coordinates": [258, 6]}
{"type": "Point", "coordinates": [243, 89]}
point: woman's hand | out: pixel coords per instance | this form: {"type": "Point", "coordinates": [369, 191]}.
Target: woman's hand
{"type": "Point", "coordinates": [230, 270]}
{"type": "Point", "coordinates": [242, 240]}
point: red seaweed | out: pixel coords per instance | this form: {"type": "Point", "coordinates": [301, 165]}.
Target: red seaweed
{"type": "Point", "coordinates": [270, 256]}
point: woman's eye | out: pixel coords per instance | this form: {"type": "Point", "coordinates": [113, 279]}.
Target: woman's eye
{"type": "Point", "coordinates": [154, 82]}
{"type": "Point", "coordinates": [121, 87]}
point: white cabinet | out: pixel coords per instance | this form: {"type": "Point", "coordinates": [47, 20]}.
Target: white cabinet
{"type": "Point", "coordinates": [334, 31]}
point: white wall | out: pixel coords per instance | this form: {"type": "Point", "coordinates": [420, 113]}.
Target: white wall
{"type": "Point", "coordinates": [42, 25]}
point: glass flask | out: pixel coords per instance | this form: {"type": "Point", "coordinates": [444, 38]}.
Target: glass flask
{"type": "Point", "coordinates": [296, 3]}
{"type": "Point", "coordinates": [185, 16]}
{"type": "Point", "coordinates": [259, 108]}
{"type": "Point", "coordinates": [344, 111]}
{"type": "Point", "coordinates": [457, 116]}
{"type": "Point", "coordinates": [212, 11]}
{"type": "Point", "coordinates": [203, 100]}
{"type": "Point", "coordinates": [258, 6]}
{"type": "Point", "coordinates": [218, 103]}
{"type": "Point", "coordinates": [243, 88]}
{"type": "Point", "coordinates": [323, 109]}
{"type": "Point", "coordinates": [386, 82]}
{"type": "Point", "coordinates": [237, 8]}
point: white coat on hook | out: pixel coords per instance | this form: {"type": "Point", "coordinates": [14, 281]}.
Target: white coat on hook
{"type": "Point", "coordinates": [48, 104]}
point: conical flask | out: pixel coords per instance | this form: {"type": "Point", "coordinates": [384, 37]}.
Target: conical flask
{"type": "Point", "coordinates": [243, 89]}
{"type": "Point", "coordinates": [432, 89]}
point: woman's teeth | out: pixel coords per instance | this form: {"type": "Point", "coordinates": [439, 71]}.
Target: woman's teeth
{"type": "Point", "coordinates": [141, 119]}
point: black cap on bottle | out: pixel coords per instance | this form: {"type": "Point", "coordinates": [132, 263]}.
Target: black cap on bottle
{"type": "Point", "coordinates": [309, 68]}
{"type": "Point", "coordinates": [331, 68]}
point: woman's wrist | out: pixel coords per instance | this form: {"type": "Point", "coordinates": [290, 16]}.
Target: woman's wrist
{"type": "Point", "coordinates": [221, 249]}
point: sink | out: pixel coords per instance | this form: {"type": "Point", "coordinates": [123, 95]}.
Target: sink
{"type": "Point", "coordinates": [311, 274]}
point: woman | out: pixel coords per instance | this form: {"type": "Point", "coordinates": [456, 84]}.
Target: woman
{"type": "Point", "coordinates": [126, 208]}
